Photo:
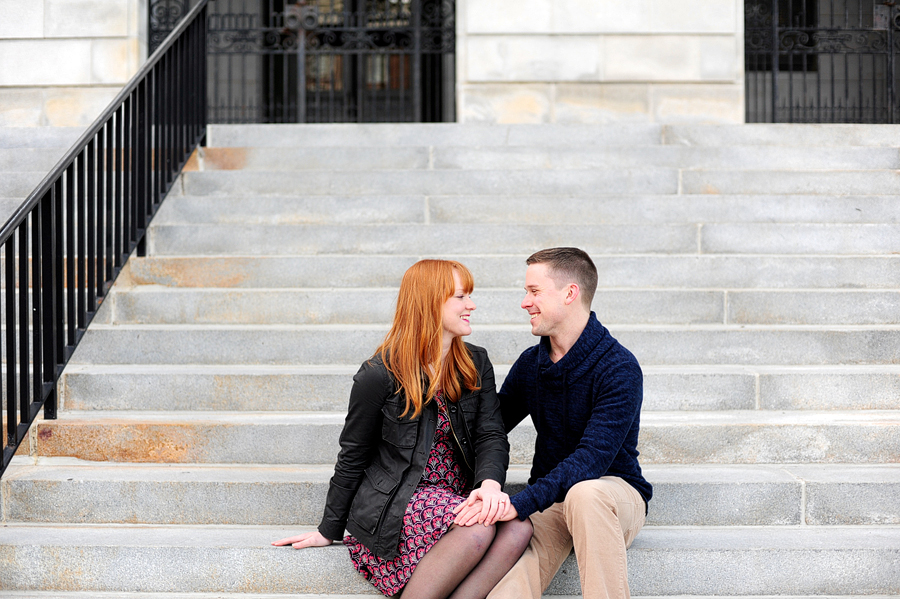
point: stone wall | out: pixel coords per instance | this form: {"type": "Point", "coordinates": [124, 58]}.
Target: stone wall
{"type": "Point", "coordinates": [63, 61]}
{"type": "Point", "coordinates": [538, 61]}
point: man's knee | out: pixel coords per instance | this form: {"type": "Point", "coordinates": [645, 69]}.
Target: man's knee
{"type": "Point", "coordinates": [591, 494]}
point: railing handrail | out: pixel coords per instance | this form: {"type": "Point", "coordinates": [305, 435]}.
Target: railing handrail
{"type": "Point", "coordinates": [67, 242]}
{"type": "Point", "coordinates": [63, 163]}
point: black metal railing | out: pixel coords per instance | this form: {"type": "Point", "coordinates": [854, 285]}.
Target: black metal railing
{"type": "Point", "coordinates": [65, 245]}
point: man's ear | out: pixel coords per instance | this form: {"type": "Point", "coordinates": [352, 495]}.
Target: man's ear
{"type": "Point", "coordinates": [572, 293]}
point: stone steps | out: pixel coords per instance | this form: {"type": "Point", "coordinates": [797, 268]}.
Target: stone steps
{"type": "Point", "coordinates": [499, 157]}
{"type": "Point", "coordinates": [596, 209]}
{"type": "Point", "coordinates": [654, 345]}
{"type": "Point", "coordinates": [681, 271]}
{"type": "Point", "coordinates": [163, 305]}
{"type": "Point", "coordinates": [234, 387]}
{"type": "Point", "coordinates": [694, 495]}
{"type": "Point", "coordinates": [752, 270]}
{"type": "Point", "coordinates": [667, 437]}
{"type": "Point", "coordinates": [760, 560]}
{"type": "Point", "coordinates": [744, 238]}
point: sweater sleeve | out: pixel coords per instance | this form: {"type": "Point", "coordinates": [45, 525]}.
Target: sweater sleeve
{"type": "Point", "coordinates": [359, 438]}
{"type": "Point", "coordinates": [617, 403]}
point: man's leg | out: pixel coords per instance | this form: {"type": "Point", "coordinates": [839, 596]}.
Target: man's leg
{"type": "Point", "coordinates": [548, 549]}
{"type": "Point", "coordinates": [604, 516]}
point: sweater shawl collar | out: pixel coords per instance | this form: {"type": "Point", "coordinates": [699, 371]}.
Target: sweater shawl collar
{"type": "Point", "coordinates": [593, 342]}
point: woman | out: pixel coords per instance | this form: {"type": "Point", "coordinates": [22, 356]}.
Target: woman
{"type": "Point", "coordinates": [423, 426]}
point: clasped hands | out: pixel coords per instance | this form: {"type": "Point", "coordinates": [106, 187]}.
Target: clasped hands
{"type": "Point", "coordinates": [486, 505]}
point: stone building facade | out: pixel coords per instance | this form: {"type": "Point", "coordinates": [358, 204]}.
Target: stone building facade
{"type": "Point", "coordinates": [63, 61]}
{"type": "Point", "coordinates": [517, 61]}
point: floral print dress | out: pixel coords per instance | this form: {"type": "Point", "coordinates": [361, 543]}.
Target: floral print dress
{"type": "Point", "coordinates": [428, 516]}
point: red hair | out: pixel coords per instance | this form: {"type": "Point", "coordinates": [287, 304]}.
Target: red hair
{"type": "Point", "coordinates": [412, 348]}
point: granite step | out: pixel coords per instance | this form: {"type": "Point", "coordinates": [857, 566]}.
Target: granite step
{"type": "Point", "coordinates": [395, 135]}
{"type": "Point", "coordinates": [694, 495]}
{"type": "Point", "coordinates": [662, 561]}
{"type": "Point", "coordinates": [641, 179]}
{"type": "Point", "coordinates": [235, 387]}
{"type": "Point", "coordinates": [683, 271]}
{"type": "Point", "coordinates": [653, 345]}
{"type": "Point", "coordinates": [442, 157]}
{"type": "Point", "coordinates": [782, 134]}
{"type": "Point", "coordinates": [595, 209]}
{"type": "Point", "coordinates": [479, 238]}
{"type": "Point", "coordinates": [680, 437]}
{"type": "Point", "coordinates": [165, 305]}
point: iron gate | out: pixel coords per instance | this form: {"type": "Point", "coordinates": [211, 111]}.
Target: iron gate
{"type": "Point", "coordinates": [822, 61]}
{"type": "Point", "coordinates": [326, 61]}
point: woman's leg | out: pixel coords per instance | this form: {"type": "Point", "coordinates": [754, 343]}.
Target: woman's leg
{"type": "Point", "coordinates": [448, 562]}
{"type": "Point", "coordinates": [510, 542]}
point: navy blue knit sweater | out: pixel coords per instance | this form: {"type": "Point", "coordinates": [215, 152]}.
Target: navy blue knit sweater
{"type": "Point", "coordinates": [586, 409]}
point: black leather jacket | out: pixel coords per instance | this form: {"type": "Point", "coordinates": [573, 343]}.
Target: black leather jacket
{"type": "Point", "coordinates": [383, 456]}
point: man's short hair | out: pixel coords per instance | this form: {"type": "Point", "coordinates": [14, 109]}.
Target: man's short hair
{"type": "Point", "coordinates": [567, 265]}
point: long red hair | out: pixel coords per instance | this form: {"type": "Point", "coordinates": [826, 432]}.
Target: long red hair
{"type": "Point", "coordinates": [412, 348]}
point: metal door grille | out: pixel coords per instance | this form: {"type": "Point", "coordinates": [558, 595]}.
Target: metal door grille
{"type": "Point", "coordinates": [326, 61]}
{"type": "Point", "coordinates": [822, 61]}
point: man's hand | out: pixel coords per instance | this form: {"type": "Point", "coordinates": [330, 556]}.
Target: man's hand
{"type": "Point", "coordinates": [307, 539]}
{"type": "Point", "coordinates": [484, 505]}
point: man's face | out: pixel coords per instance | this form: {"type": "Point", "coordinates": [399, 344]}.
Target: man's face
{"type": "Point", "coordinates": [544, 302]}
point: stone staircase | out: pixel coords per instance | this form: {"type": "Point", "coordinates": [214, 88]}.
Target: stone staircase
{"type": "Point", "coordinates": [753, 270]}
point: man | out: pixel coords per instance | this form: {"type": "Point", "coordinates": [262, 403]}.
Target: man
{"type": "Point", "coordinates": [583, 391]}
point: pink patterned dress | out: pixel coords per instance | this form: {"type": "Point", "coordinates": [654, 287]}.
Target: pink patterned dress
{"type": "Point", "coordinates": [428, 515]}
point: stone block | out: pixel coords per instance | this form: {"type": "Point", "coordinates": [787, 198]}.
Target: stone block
{"type": "Point", "coordinates": [249, 240]}
{"type": "Point", "coordinates": [600, 16]}
{"type": "Point", "coordinates": [689, 389]}
{"type": "Point", "coordinates": [45, 62]}
{"type": "Point", "coordinates": [508, 16]}
{"type": "Point", "coordinates": [695, 16]}
{"type": "Point", "coordinates": [21, 19]}
{"type": "Point", "coordinates": [533, 58]}
{"type": "Point", "coordinates": [670, 58]}
{"type": "Point", "coordinates": [601, 102]}
{"type": "Point", "coordinates": [21, 107]}
{"type": "Point", "coordinates": [834, 388]}
{"type": "Point", "coordinates": [73, 107]}
{"type": "Point", "coordinates": [814, 308]}
{"type": "Point", "coordinates": [113, 61]}
{"type": "Point", "coordinates": [698, 103]}
{"type": "Point", "coordinates": [759, 238]}
{"type": "Point", "coordinates": [783, 134]}
{"type": "Point", "coordinates": [497, 103]}
{"type": "Point", "coordinates": [86, 18]}
{"type": "Point", "coordinates": [851, 496]}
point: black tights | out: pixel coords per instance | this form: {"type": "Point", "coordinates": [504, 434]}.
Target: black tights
{"type": "Point", "coordinates": [468, 561]}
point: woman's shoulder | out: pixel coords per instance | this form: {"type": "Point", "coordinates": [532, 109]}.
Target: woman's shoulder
{"type": "Point", "coordinates": [373, 372]}
{"type": "Point", "coordinates": [478, 353]}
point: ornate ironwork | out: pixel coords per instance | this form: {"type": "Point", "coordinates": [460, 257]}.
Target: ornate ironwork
{"type": "Point", "coordinates": [325, 60]}
{"type": "Point", "coordinates": [812, 61]}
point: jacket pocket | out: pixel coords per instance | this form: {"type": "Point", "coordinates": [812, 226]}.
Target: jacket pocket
{"type": "Point", "coordinates": [399, 433]}
{"type": "Point", "coordinates": [372, 498]}
{"type": "Point", "coordinates": [469, 408]}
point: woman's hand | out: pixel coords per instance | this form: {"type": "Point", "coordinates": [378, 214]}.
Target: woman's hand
{"type": "Point", "coordinates": [307, 539]}
{"type": "Point", "coordinates": [485, 505]}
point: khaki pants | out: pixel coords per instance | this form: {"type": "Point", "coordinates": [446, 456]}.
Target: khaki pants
{"type": "Point", "coordinates": [600, 519]}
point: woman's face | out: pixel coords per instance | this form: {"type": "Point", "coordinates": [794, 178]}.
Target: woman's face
{"type": "Point", "coordinates": [457, 310]}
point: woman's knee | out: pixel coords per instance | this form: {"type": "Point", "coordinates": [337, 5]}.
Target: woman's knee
{"type": "Point", "coordinates": [517, 532]}
{"type": "Point", "coordinates": [478, 536]}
